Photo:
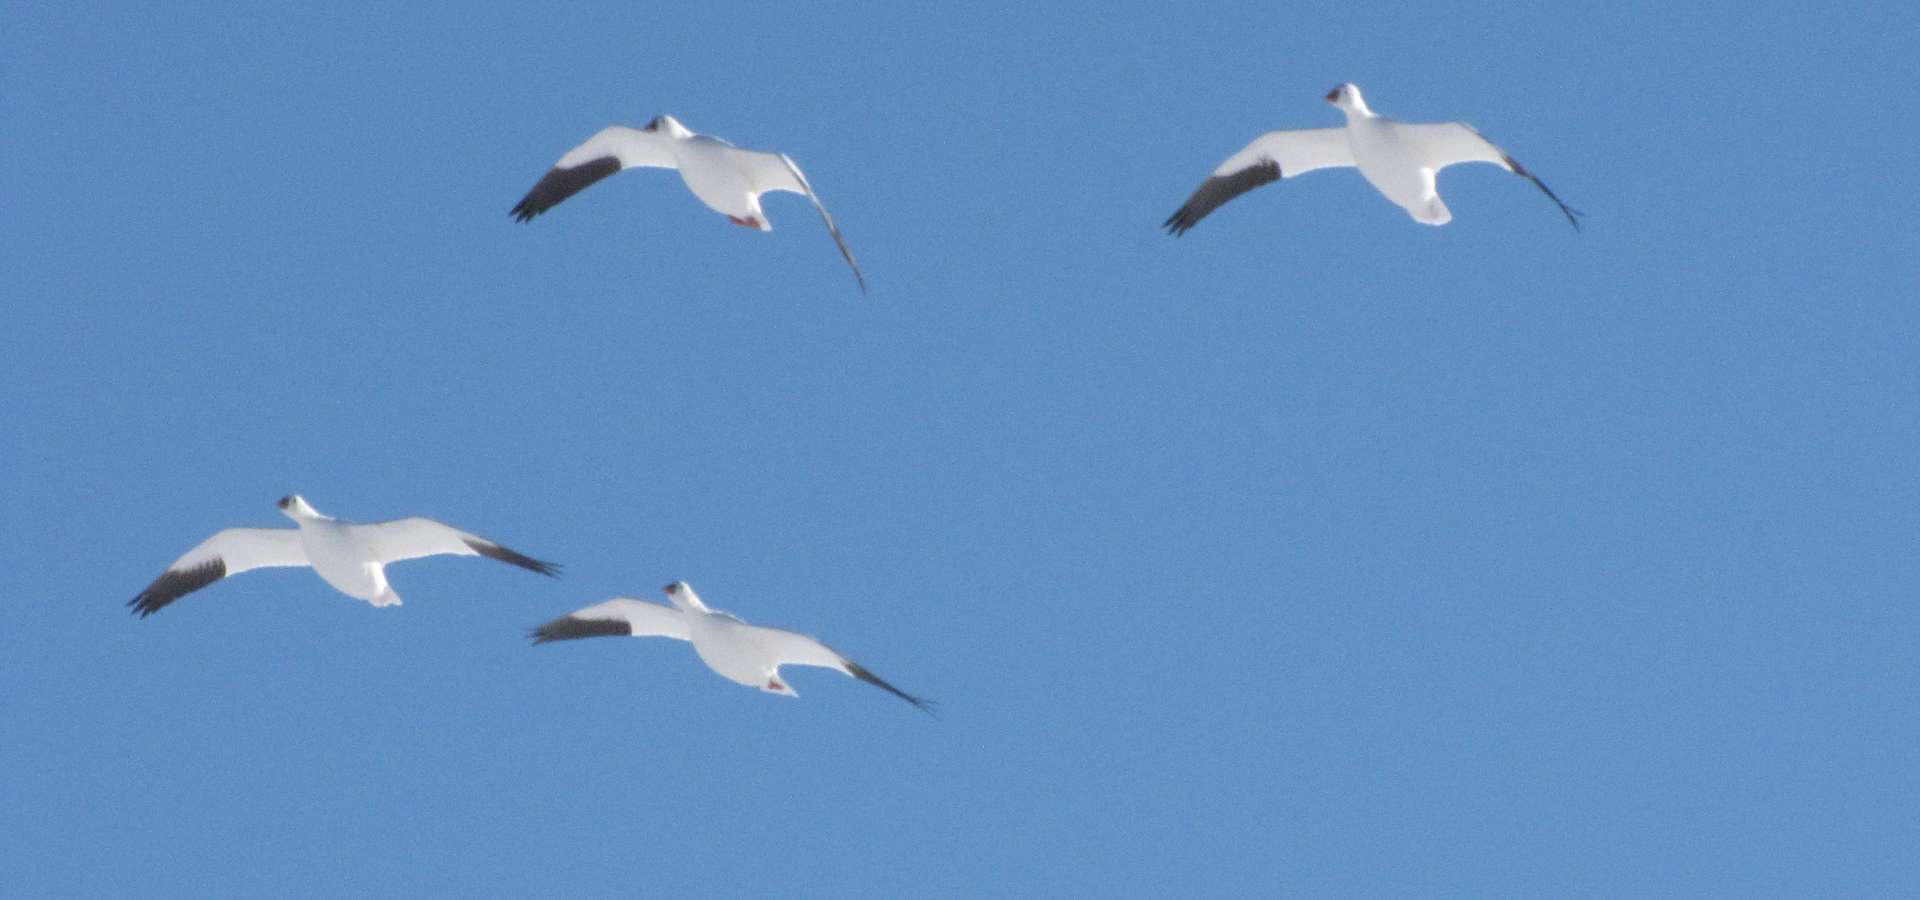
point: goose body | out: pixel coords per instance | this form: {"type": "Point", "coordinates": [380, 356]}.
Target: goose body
{"type": "Point", "coordinates": [729, 180]}
{"type": "Point", "coordinates": [349, 556]}
{"type": "Point", "coordinates": [1399, 159]}
{"type": "Point", "coordinates": [749, 655]}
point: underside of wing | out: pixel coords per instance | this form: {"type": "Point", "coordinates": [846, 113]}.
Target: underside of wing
{"type": "Point", "coordinates": [1298, 151]}
{"type": "Point", "coordinates": [1271, 157]}
{"type": "Point", "coordinates": [614, 148]}
{"type": "Point", "coordinates": [229, 552]}
{"type": "Point", "coordinates": [778, 172]}
{"type": "Point", "coordinates": [793, 648]}
{"type": "Point", "coordinates": [559, 184]}
{"type": "Point", "coordinates": [1218, 190]}
{"type": "Point", "coordinates": [417, 537]}
{"type": "Point", "coordinates": [619, 617]}
{"type": "Point", "coordinates": [769, 171]}
{"type": "Point", "coordinates": [1444, 144]}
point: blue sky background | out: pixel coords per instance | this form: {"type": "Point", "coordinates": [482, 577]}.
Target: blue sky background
{"type": "Point", "coordinates": [1317, 552]}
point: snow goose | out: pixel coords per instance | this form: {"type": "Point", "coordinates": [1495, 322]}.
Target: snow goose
{"type": "Point", "coordinates": [352, 557]}
{"type": "Point", "coordinates": [727, 179]}
{"type": "Point", "coordinates": [745, 654]}
{"type": "Point", "coordinates": [1398, 158]}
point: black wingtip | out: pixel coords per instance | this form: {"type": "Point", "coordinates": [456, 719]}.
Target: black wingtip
{"type": "Point", "coordinates": [495, 551]}
{"type": "Point", "coordinates": [174, 584]}
{"type": "Point", "coordinates": [1573, 215]}
{"type": "Point", "coordinates": [559, 184]}
{"type": "Point", "coordinates": [1217, 190]}
{"type": "Point", "coordinates": [567, 628]}
{"type": "Point", "coordinates": [923, 704]}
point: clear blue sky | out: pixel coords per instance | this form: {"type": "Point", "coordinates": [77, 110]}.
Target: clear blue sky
{"type": "Point", "coordinates": [1317, 552]}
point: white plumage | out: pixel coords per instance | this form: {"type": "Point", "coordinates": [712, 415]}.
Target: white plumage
{"type": "Point", "coordinates": [349, 556]}
{"type": "Point", "coordinates": [1399, 159]}
{"type": "Point", "coordinates": [744, 654]}
{"type": "Point", "coordinates": [727, 179]}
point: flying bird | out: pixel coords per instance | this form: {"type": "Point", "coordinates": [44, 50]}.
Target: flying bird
{"type": "Point", "coordinates": [727, 179]}
{"type": "Point", "coordinates": [741, 653]}
{"type": "Point", "coordinates": [1399, 159]}
{"type": "Point", "coordinates": [350, 556]}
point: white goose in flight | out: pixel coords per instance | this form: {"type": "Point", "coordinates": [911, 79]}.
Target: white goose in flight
{"type": "Point", "coordinates": [745, 654]}
{"type": "Point", "coordinates": [351, 557]}
{"type": "Point", "coordinates": [727, 179]}
{"type": "Point", "coordinates": [1399, 159]}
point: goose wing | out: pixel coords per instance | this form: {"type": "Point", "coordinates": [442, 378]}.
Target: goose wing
{"type": "Point", "coordinates": [1444, 144]}
{"type": "Point", "coordinates": [621, 616]}
{"type": "Point", "coordinates": [417, 537]}
{"type": "Point", "coordinates": [229, 552]}
{"type": "Point", "coordinates": [778, 172]}
{"type": "Point", "coordinates": [793, 648]}
{"type": "Point", "coordinates": [614, 148]}
{"type": "Point", "coordinates": [1271, 157]}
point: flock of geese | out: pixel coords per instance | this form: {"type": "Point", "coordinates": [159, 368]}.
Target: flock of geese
{"type": "Point", "coordinates": [1399, 159]}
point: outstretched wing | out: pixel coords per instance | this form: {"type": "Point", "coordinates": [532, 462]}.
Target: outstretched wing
{"type": "Point", "coordinates": [616, 147]}
{"type": "Point", "coordinates": [777, 172]}
{"type": "Point", "coordinates": [1443, 144]}
{"type": "Point", "coordinates": [793, 648]}
{"type": "Point", "coordinates": [1271, 157]}
{"type": "Point", "coordinates": [416, 537]}
{"type": "Point", "coordinates": [621, 616]}
{"type": "Point", "coordinates": [229, 552]}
